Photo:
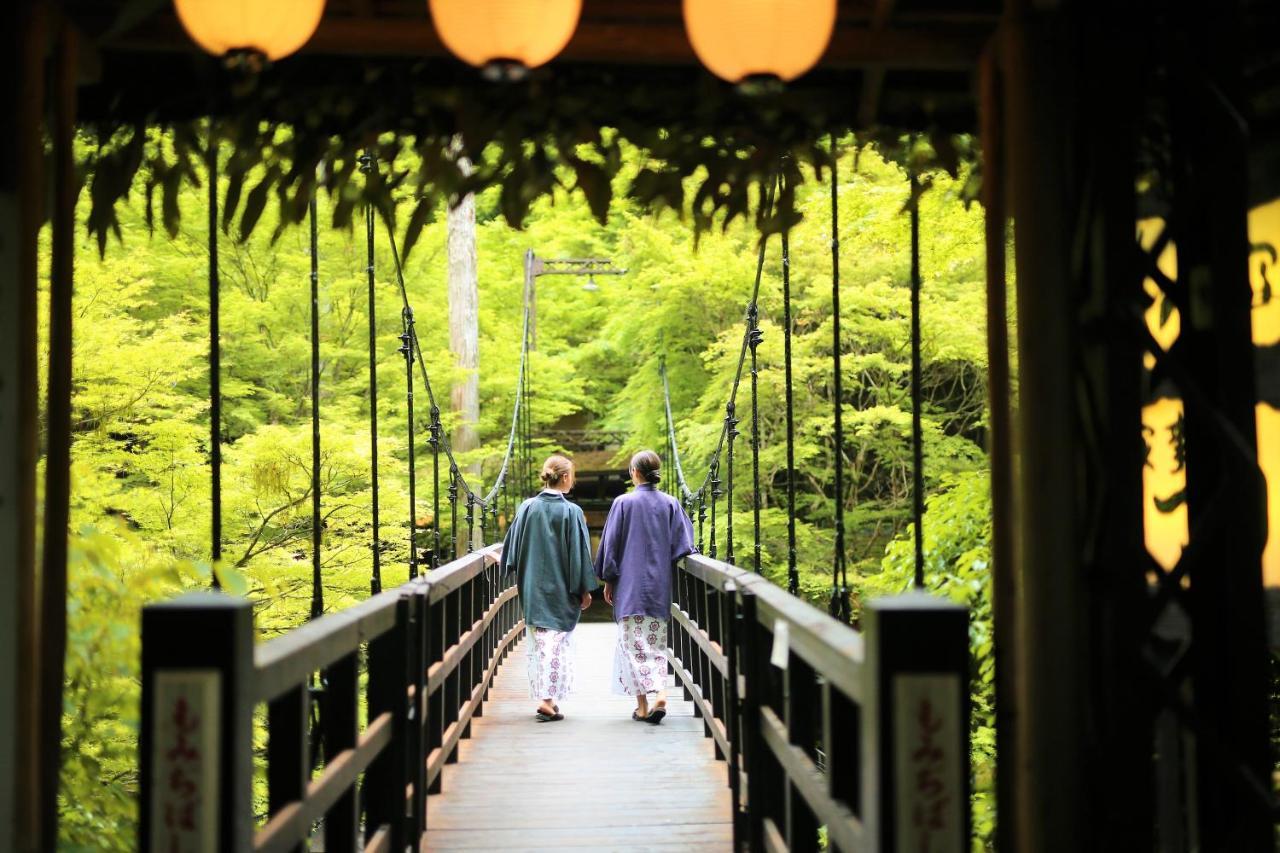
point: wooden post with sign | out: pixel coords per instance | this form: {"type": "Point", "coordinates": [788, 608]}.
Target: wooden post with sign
{"type": "Point", "coordinates": [916, 725]}
{"type": "Point", "coordinates": [197, 716]}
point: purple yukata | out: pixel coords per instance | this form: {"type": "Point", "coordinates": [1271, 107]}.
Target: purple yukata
{"type": "Point", "coordinates": [646, 532]}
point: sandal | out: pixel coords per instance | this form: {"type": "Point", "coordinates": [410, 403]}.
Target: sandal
{"type": "Point", "coordinates": [543, 717]}
{"type": "Point", "coordinates": [635, 715]}
{"type": "Point", "coordinates": [656, 715]}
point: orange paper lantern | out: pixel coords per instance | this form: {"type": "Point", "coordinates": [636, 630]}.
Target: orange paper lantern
{"type": "Point", "coordinates": [274, 29]}
{"type": "Point", "coordinates": [518, 34]}
{"type": "Point", "coordinates": [738, 39]}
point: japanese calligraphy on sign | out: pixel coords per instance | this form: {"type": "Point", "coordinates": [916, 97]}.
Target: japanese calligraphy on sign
{"type": "Point", "coordinates": [928, 764]}
{"type": "Point", "coordinates": [184, 761]}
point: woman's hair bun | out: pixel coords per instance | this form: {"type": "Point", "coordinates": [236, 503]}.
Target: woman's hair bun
{"type": "Point", "coordinates": [555, 469]}
{"type": "Point", "coordinates": [647, 464]}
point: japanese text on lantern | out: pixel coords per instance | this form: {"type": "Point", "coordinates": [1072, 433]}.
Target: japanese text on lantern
{"type": "Point", "coordinates": [184, 761]}
{"type": "Point", "coordinates": [928, 764]}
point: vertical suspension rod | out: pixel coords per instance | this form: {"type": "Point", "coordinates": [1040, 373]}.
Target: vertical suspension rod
{"type": "Point", "coordinates": [839, 582]}
{"type": "Point", "coordinates": [406, 349]}
{"type": "Point", "coordinates": [317, 583]}
{"type": "Point", "coordinates": [731, 427]}
{"type": "Point", "coordinates": [375, 582]}
{"type": "Point", "coordinates": [793, 572]}
{"type": "Point", "coordinates": [215, 367]}
{"type": "Point", "coordinates": [715, 495]}
{"type": "Point", "coordinates": [435, 487]}
{"type": "Point", "coordinates": [917, 436]}
{"type": "Point", "coordinates": [454, 477]}
{"type": "Point", "coordinates": [754, 337]}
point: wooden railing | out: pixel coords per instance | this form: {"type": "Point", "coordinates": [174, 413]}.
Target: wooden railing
{"type": "Point", "coordinates": [865, 735]}
{"type": "Point", "coordinates": [431, 648]}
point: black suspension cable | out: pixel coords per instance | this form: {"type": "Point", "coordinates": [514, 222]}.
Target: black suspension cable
{"type": "Point", "coordinates": [917, 435]}
{"type": "Point", "coordinates": [375, 582]}
{"type": "Point", "coordinates": [754, 336]}
{"type": "Point", "coordinates": [416, 349]}
{"type": "Point", "coordinates": [317, 583]}
{"type": "Point", "coordinates": [793, 571]}
{"type": "Point", "coordinates": [407, 339]}
{"type": "Point", "coordinates": [215, 367]}
{"type": "Point", "coordinates": [839, 581]}
{"type": "Point", "coordinates": [711, 482]}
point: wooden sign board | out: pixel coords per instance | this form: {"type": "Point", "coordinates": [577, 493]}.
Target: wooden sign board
{"type": "Point", "coordinates": [928, 765]}
{"type": "Point", "coordinates": [184, 760]}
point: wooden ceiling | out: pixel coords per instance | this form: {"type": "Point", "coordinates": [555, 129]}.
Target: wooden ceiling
{"type": "Point", "coordinates": [893, 33]}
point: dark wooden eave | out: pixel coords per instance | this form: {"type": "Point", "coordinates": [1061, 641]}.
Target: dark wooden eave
{"type": "Point", "coordinates": [917, 53]}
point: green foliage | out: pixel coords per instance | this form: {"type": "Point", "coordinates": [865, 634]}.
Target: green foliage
{"type": "Point", "coordinates": [142, 435]}
{"type": "Point", "coordinates": [705, 149]}
{"type": "Point", "coordinates": [112, 572]}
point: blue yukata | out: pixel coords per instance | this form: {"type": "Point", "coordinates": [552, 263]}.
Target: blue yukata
{"type": "Point", "coordinates": [646, 532]}
{"type": "Point", "coordinates": [549, 550]}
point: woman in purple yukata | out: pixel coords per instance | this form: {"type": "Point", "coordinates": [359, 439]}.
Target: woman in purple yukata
{"type": "Point", "coordinates": [646, 532]}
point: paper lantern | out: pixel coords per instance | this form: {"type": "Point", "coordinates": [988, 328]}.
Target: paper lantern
{"type": "Point", "coordinates": [1264, 235]}
{"type": "Point", "coordinates": [740, 39]}
{"type": "Point", "coordinates": [274, 29]}
{"type": "Point", "coordinates": [506, 37]}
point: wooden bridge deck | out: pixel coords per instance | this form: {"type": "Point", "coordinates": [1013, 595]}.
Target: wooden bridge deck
{"type": "Point", "coordinates": [595, 781]}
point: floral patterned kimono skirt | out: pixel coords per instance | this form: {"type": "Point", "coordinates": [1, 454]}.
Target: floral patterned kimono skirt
{"type": "Point", "coordinates": [640, 657]}
{"type": "Point", "coordinates": [550, 662]}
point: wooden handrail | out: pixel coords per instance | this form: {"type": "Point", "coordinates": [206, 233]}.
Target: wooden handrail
{"type": "Point", "coordinates": [288, 660]}
{"type": "Point", "coordinates": [452, 575]}
{"type": "Point", "coordinates": [433, 647]}
{"type": "Point", "coordinates": [814, 718]}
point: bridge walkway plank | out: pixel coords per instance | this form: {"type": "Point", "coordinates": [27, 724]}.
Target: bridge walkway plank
{"type": "Point", "coordinates": [595, 781]}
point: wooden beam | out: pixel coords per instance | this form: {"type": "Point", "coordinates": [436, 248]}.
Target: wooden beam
{"type": "Point", "coordinates": [611, 42]}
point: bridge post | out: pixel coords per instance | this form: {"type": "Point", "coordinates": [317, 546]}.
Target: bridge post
{"type": "Point", "coordinates": [916, 725]}
{"type": "Point", "coordinates": [196, 742]}
{"type": "Point", "coordinates": [417, 736]}
{"type": "Point", "coordinates": [388, 776]}
{"type": "Point", "coordinates": [731, 624]}
{"type": "Point", "coordinates": [748, 823]}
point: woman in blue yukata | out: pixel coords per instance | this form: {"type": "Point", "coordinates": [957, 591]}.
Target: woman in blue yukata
{"type": "Point", "coordinates": [646, 532]}
{"type": "Point", "coordinates": [549, 549]}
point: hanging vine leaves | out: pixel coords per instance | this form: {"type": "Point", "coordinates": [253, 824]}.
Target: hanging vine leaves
{"type": "Point", "coordinates": [303, 126]}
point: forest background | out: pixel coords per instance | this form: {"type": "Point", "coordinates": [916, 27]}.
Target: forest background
{"type": "Point", "coordinates": [140, 472]}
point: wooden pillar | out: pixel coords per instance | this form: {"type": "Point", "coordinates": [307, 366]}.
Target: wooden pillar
{"type": "Point", "coordinates": [1050, 677]}
{"type": "Point", "coordinates": [1000, 448]}
{"type": "Point", "coordinates": [1081, 771]}
{"type": "Point", "coordinates": [21, 203]}
{"type": "Point", "coordinates": [57, 489]}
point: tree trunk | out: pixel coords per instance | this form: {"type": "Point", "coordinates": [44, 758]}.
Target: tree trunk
{"type": "Point", "coordinates": [464, 342]}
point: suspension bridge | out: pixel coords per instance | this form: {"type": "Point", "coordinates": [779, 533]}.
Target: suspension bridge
{"type": "Point", "coordinates": [403, 721]}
